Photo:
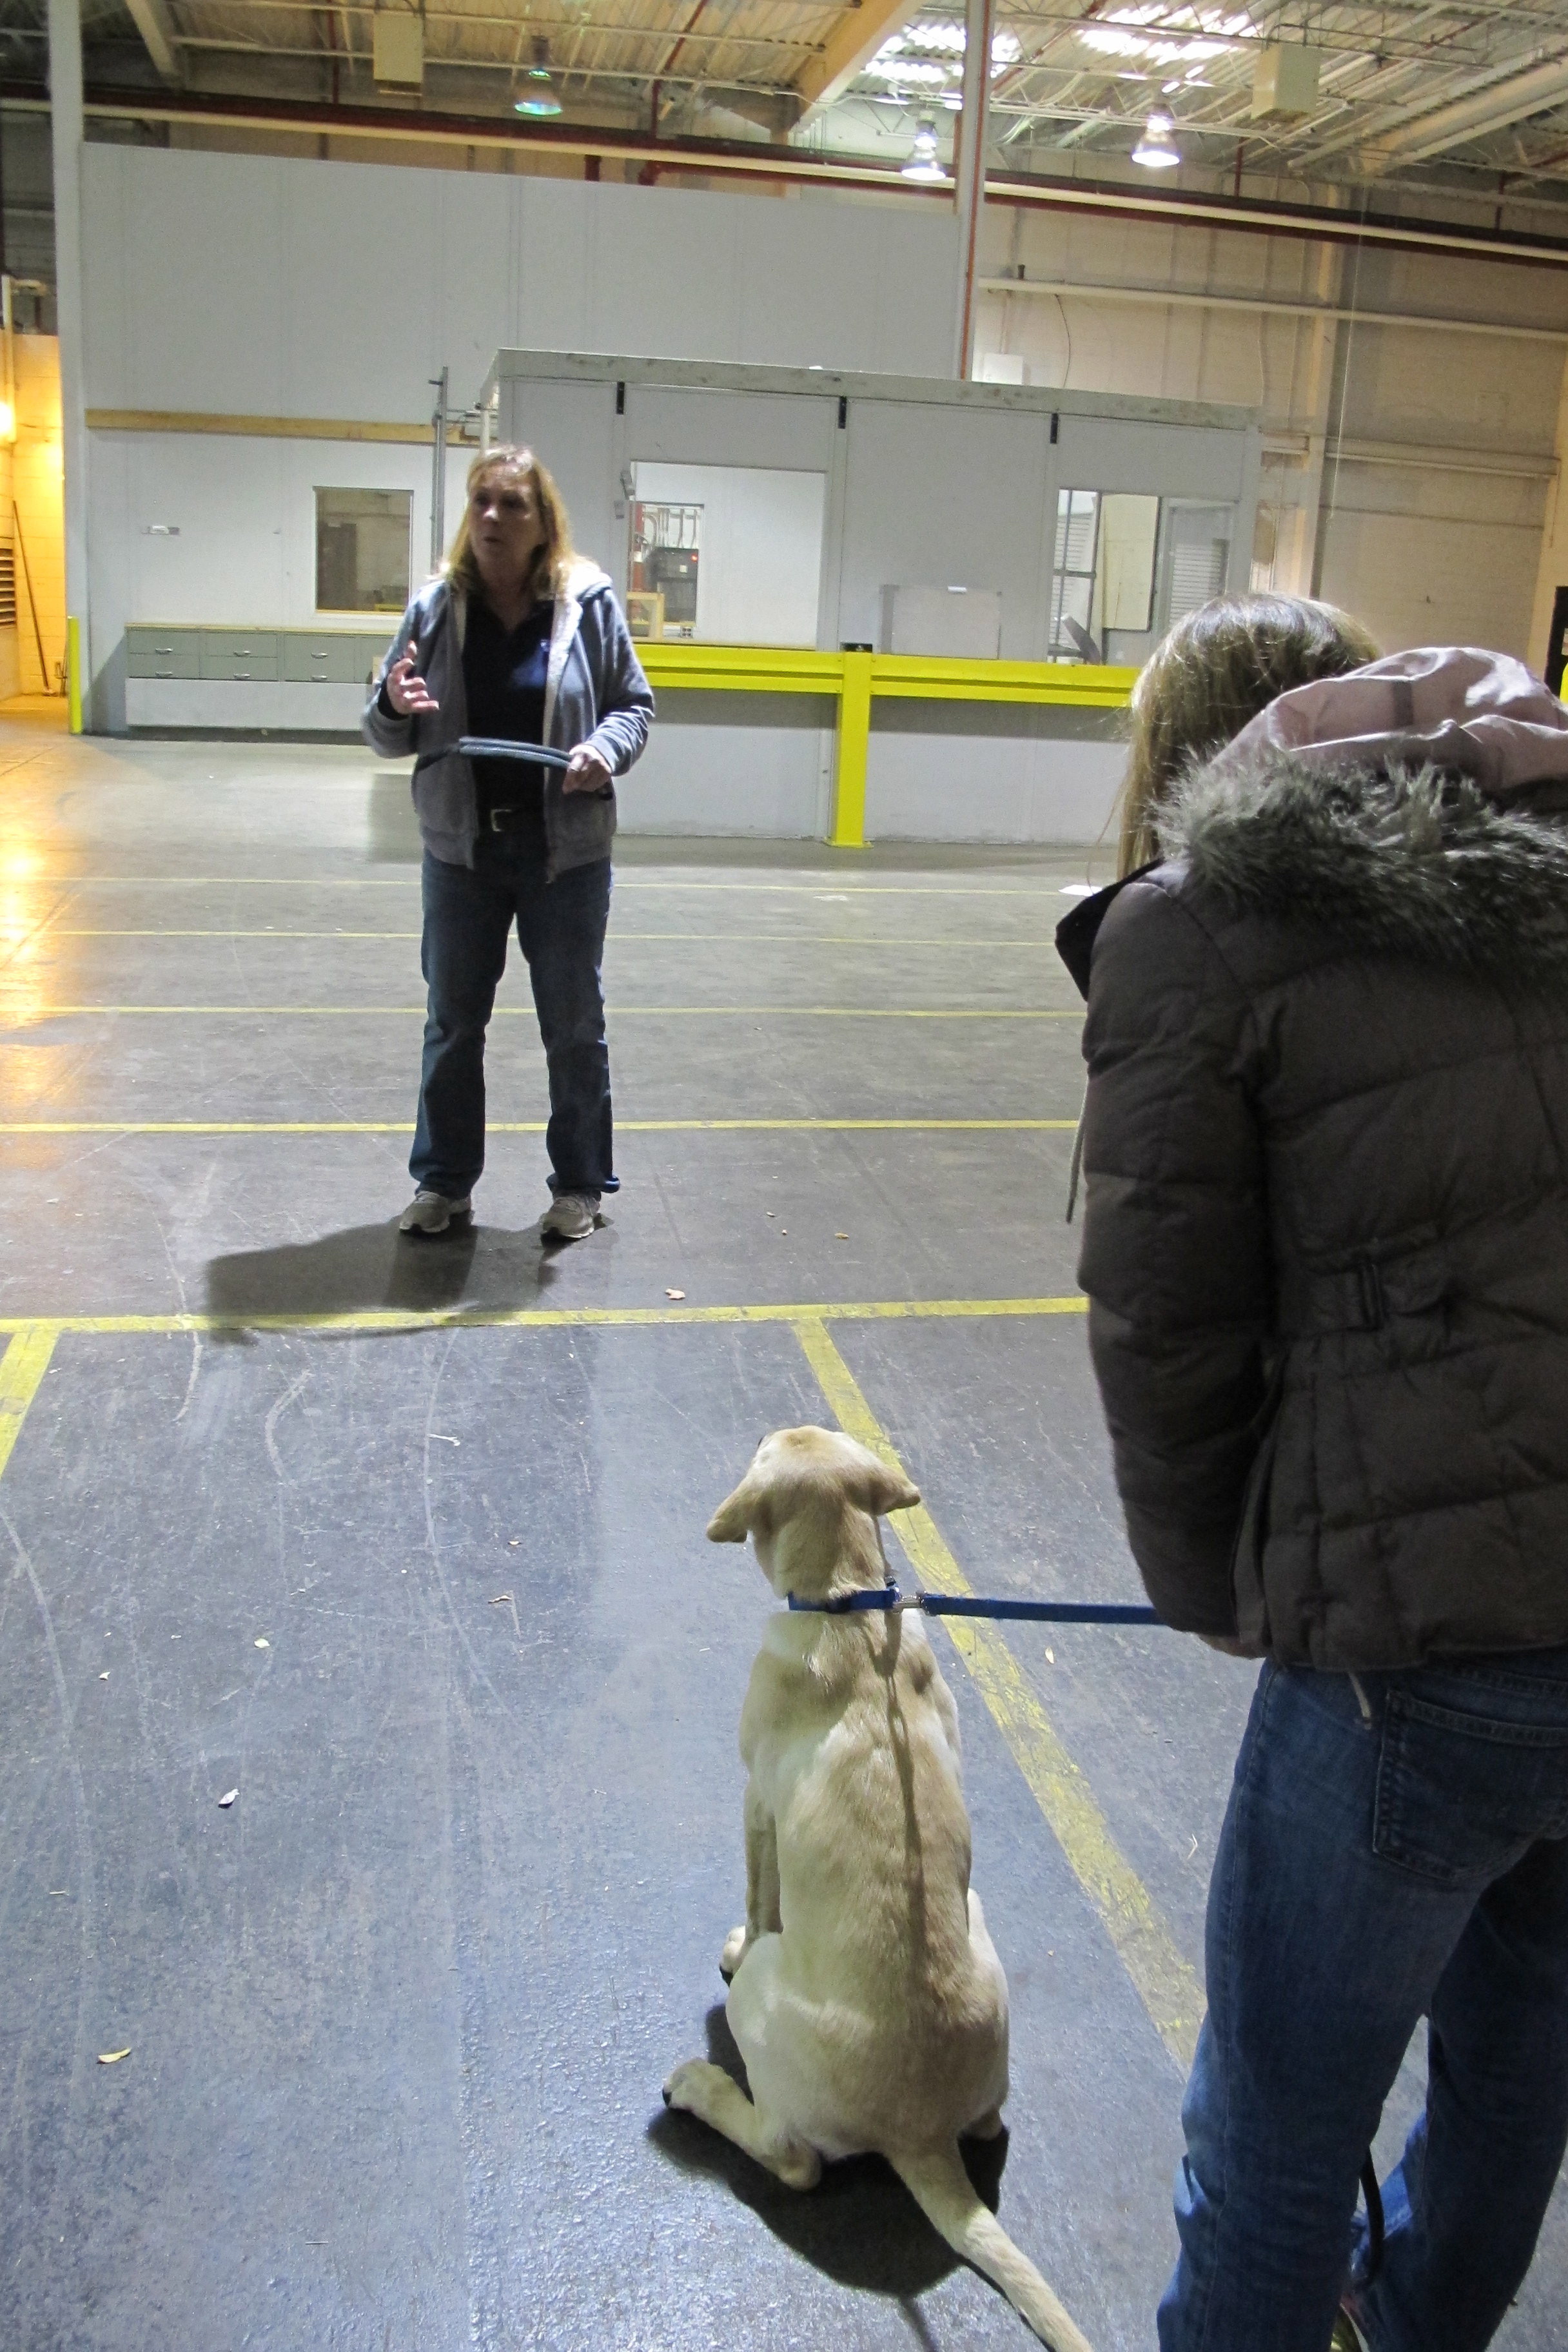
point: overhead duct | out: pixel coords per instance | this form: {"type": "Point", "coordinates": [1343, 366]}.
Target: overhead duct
{"type": "Point", "coordinates": [1492, 108]}
{"type": "Point", "coordinates": [753, 160]}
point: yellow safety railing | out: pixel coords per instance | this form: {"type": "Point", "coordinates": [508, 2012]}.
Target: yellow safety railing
{"type": "Point", "coordinates": [854, 679]}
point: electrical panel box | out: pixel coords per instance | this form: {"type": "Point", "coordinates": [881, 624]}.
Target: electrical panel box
{"type": "Point", "coordinates": [1284, 83]}
{"type": "Point", "coordinates": [963, 624]}
{"type": "Point", "coordinates": [398, 48]}
{"type": "Point", "coordinates": [1000, 367]}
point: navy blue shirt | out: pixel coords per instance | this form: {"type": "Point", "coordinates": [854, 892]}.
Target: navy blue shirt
{"type": "Point", "coordinates": [503, 681]}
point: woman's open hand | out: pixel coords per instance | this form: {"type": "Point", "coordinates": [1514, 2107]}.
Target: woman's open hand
{"type": "Point", "coordinates": [587, 771]}
{"type": "Point", "coordinates": [406, 691]}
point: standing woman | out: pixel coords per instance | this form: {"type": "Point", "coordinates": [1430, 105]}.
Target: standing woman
{"type": "Point", "coordinates": [519, 639]}
{"type": "Point", "coordinates": [1326, 1254]}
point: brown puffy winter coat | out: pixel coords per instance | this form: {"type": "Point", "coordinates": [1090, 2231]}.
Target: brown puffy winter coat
{"type": "Point", "coordinates": [1326, 1161]}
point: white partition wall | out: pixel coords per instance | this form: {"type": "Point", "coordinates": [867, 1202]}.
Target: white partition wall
{"type": "Point", "coordinates": [286, 293]}
{"type": "Point", "coordinates": [926, 484]}
{"type": "Point", "coordinates": [249, 342]}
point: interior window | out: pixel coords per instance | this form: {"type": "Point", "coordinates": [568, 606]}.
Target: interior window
{"type": "Point", "coordinates": [362, 551]}
{"type": "Point", "coordinates": [1126, 566]}
{"type": "Point", "coordinates": [732, 554]}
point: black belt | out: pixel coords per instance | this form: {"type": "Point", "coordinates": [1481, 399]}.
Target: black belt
{"type": "Point", "coordinates": [523, 755]}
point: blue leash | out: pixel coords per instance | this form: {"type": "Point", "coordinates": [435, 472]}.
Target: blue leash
{"type": "Point", "coordinates": [947, 1604]}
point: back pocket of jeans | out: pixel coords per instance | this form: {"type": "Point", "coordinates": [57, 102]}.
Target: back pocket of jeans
{"type": "Point", "coordinates": [1461, 1796]}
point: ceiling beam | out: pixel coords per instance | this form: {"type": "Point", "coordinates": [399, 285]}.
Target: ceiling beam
{"type": "Point", "coordinates": [851, 46]}
{"type": "Point", "coordinates": [156, 28]}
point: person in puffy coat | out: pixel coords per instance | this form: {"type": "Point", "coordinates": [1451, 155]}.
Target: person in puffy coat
{"type": "Point", "coordinates": [1325, 1151]}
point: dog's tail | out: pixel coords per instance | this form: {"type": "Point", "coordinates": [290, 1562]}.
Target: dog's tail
{"type": "Point", "coordinates": [940, 2186]}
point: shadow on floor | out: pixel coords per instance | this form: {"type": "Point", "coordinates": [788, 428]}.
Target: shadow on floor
{"type": "Point", "coordinates": [392, 829]}
{"type": "Point", "coordinates": [378, 1268]}
{"type": "Point", "coordinates": [860, 2225]}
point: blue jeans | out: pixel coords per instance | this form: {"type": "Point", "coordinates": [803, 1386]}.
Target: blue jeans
{"type": "Point", "coordinates": [1371, 1872]}
{"type": "Point", "coordinates": [469, 913]}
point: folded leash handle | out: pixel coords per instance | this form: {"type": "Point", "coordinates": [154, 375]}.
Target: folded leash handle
{"type": "Point", "coordinates": [1044, 1612]}
{"type": "Point", "coordinates": [528, 755]}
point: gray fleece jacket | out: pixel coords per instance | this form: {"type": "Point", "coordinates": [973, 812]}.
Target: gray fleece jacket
{"type": "Point", "coordinates": [595, 693]}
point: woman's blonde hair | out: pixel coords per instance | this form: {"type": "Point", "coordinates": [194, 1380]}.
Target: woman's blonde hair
{"type": "Point", "coordinates": [556, 555]}
{"type": "Point", "coordinates": [1206, 678]}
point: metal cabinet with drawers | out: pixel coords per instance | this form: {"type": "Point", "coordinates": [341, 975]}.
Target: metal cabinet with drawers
{"type": "Point", "coordinates": [240, 654]}
{"type": "Point", "coordinates": [331, 657]}
{"type": "Point", "coordinates": [162, 653]}
{"type": "Point", "coordinates": [250, 679]}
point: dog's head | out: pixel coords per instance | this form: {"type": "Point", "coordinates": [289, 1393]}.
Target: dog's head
{"type": "Point", "coordinates": [811, 1500]}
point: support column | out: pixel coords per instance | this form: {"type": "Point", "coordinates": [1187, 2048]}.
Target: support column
{"type": "Point", "coordinates": [970, 170]}
{"type": "Point", "coordinates": [853, 745]}
{"type": "Point", "coordinates": [66, 134]}
{"type": "Point", "coordinates": [1311, 400]}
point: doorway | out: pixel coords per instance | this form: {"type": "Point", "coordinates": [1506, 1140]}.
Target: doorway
{"type": "Point", "coordinates": [32, 521]}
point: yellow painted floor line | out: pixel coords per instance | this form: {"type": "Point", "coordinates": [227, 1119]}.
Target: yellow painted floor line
{"type": "Point", "coordinates": [616, 937]}
{"type": "Point", "coordinates": [536, 1127]}
{"type": "Point", "coordinates": [616, 1011]}
{"type": "Point", "coordinates": [829, 885]}
{"type": "Point", "coordinates": [1165, 1984]}
{"type": "Point", "coordinates": [22, 1367]}
{"type": "Point", "coordinates": [371, 1319]}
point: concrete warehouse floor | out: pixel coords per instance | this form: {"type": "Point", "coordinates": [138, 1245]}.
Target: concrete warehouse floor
{"type": "Point", "coordinates": [405, 1544]}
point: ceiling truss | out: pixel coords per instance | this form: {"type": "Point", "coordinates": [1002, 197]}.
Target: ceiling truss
{"type": "Point", "coordinates": [1466, 94]}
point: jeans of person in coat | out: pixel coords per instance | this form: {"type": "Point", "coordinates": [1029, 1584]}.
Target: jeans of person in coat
{"type": "Point", "coordinates": [1377, 1866]}
{"type": "Point", "coordinates": [469, 913]}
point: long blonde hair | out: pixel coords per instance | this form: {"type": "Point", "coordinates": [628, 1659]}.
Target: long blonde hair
{"type": "Point", "coordinates": [557, 554]}
{"type": "Point", "coordinates": [1217, 668]}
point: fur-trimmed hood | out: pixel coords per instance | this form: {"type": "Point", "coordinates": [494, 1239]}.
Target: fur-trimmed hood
{"type": "Point", "coordinates": [1418, 807]}
{"type": "Point", "coordinates": [1422, 864]}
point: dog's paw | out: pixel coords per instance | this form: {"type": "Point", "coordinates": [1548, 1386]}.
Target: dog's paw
{"type": "Point", "coordinates": [685, 2087]}
{"type": "Point", "coordinates": [733, 1953]}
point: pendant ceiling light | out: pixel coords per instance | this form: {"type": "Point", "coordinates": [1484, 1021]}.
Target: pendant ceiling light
{"type": "Point", "coordinates": [539, 97]}
{"type": "Point", "coordinates": [924, 163]}
{"type": "Point", "coordinates": [1156, 149]}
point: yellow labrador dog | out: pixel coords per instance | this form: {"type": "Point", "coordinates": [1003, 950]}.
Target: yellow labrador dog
{"type": "Point", "coordinates": [866, 1999]}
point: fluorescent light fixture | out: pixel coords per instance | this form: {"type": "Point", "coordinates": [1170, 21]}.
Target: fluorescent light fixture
{"type": "Point", "coordinates": [539, 100]}
{"type": "Point", "coordinates": [1166, 36]}
{"type": "Point", "coordinates": [928, 41]}
{"type": "Point", "coordinates": [1157, 150]}
{"type": "Point", "coordinates": [923, 163]}
{"type": "Point", "coordinates": [913, 71]}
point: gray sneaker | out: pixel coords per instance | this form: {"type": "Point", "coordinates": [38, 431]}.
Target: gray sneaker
{"type": "Point", "coordinates": [431, 1212]}
{"type": "Point", "coordinates": [571, 1217]}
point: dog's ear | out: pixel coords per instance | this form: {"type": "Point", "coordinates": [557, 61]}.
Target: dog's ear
{"type": "Point", "coordinates": [878, 1490]}
{"type": "Point", "coordinates": [731, 1522]}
